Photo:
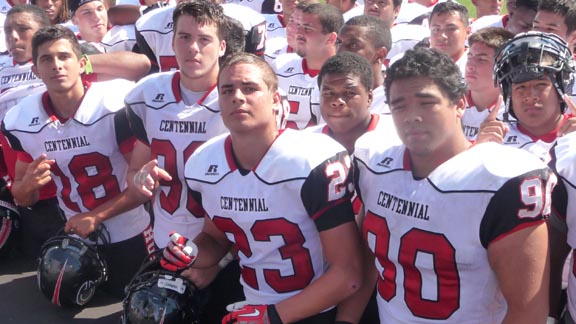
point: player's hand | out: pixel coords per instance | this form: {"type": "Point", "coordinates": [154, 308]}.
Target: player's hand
{"type": "Point", "coordinates": [147, 179]}
{"type": "Point", "coordinates": [180, 253]}
{"type": "Point", "coordinates": [201, 277]}
{"type": "Point", "coordinates": [491, 129]}
{"type": "Point", "coordinates": [569, 124]}
{"type": "Point", "coordinates": [38, 172]}
{"type": "Point", "coordinates": [253, 314]}
{"type": "Point", "coordinates": [82, 224]}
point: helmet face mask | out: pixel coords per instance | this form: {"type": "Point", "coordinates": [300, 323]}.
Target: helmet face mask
{"type": "Point", "coordinates": [70, 270]}
{"type": "Point", "coordinates": [9, 227]}
{"type": "Point", "coordinates": [529, 56]}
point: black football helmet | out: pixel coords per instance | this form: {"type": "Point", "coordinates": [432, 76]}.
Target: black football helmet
{"type": "Point", "coordinates": [70, 269]}
{"type": "Point", "coordinates": [530, 55]}
{"type": "Point", "coordinates": [156, 295]}
{"type": "Point", "coordinates": [9, 227]}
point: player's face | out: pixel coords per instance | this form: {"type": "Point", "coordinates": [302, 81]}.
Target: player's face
{"type": "Point", "coordinates": [479, 66]}
{"type": "Point", "coordinates": [309, 37]}
{"type": "Point", "coordinates": [353, 39]}
{"type": "Point", "coordinates": [425, 118]}
{"type": "Point", "coordinates": [288, 6]}
{"type": "Point", "coordinates": [19, 29]}
{"type": "Point", "coordinates": [92, 21]}
{"type": "Point", "coordinates": [550, 22]}
{"type": "Point", "coordinates": [521, 21]}
{"type": "Point", "coordinates": [292, 28]}
{"type": "Point", "coordinates": [448, 34]}
{"type": "Point", "coordinates": [197, 48]}
{"type": "Point", "coordinates": [53, 8]}
{"type": "Point", "coordinates": [487, 7]}
{"type": "Point", "coordinates": [383, 10]}
{"type": "Point", "coordinates": [536, 104]}
{"type": "Point", "coordinates": [345, 103]}
{"type": "Point", "coordinates": [246, 103]}
{"type": "Point", "coordinates": [58, 66]}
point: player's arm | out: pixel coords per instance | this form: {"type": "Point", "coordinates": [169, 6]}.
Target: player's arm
{"type": "Point", "coordinates": [515, 234]}
{"type": "Point", "coordinates": [212, 245]}
{"type": "Point", "coordinates": [121, 64]}
{"type": "Point", "coordinates": [520, 262]}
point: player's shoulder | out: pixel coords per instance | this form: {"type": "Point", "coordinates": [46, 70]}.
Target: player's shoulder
{"type": "Point", "coordinates": [209, 163]}
{"type": "Point", "coordinates": [487, 21]}
{"type": "Point", "coordinates": [158, 20]}
{"type": "Point", "coordinates": [373, 144]}
{"type": "Point", "coordinates": [155, 90]}
{"type": "Point", "coordinates": [288, 64]}
{"type": "Point", "coordinates": [565, 157]}
{"type": "Point", "coordinates": [486, 166]}
{"type": "Point", "coordinates": [409, 32]}
{"type": "Point", "coordinates": [27, 115]}
{"type": "Point", "coordinates": [247, 16]}
{"type": "Point", "coordinates": [272, 22]}
{"type": "Point", "coordinates": [6, 61]}
{"type": "Point", "coordinates": [319, 129]}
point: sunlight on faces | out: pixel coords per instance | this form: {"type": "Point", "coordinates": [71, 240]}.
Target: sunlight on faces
{"type": "Point", "coordinates": [92, 21]}
{"type": "Point", "coordinates": [520, 21]}
{"type": "Point", "coordinates": [309, 37]}
{"type": "Point", "coordinates": [345, 103]}
{"type": "Point", "coordinates": [383, 10]}
{"type": "Point", "coordinates": [51, 7]}
{"type": "Point", "coordinates": [197, 48]}
{"type": "Point", "coordinates": [292, 28]}
{"type": "Point", "coordinates": [487, 7]}
{"type": "Point", "coordinates": [448, 34]}
{"type": "Point", "coordinates": [246, 102]}
{"type": "Point", "coordinates": [536, 104]}
{"type": "Point", "coordinates": [550, 22]}
{"type": "Point", "coordinates": [425, 118]}
{"type": "Point", "coordinates": [19, 29]}
{"type": "Point", "coordinates": [479, 66]}
{"type": "Point", "coordinates": [58, 66]}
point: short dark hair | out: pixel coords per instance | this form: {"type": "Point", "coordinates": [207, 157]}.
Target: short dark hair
{"type": "Point", "coordinates": [38, 14]}
{"type": "Point", "coordinates": [329, 16]}
{"type": "Point", "coordinates": [527, 4]}
{"type": "Point", "coordinates": [493, 37]}
{"type": "Point", "coordinates": [563, 8]}
{"type": "Point", "coordinates": [348, 63]}
{"type": "Point", "coordinates": [205, 12]}
{"type": "Point", "coordinates": [268, 74]}
{"type": "Point", "coordinates": [234, 36]}
{"type": "Point", "coordinates": [450, 7]}
{"type": "Point", "coordinates": [428, 63]}
{"type": "Point", "coordinates": [376, 30]}
{"type": "Point", "coordinates": [51, 34]}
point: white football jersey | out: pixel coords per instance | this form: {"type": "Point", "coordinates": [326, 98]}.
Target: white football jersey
{"type": "Point", "coordinates": [301, 86]}
{"type": "Point", "coordinates": [274, 27]}
{"type": "Point", "coordinates": [119, 38]}
{"type": "Point", "coordinates": [154, 32]}
{"type": "Point", "coordinates": [88, 149]}
{"type": "Point", "coordinates": [261, 6]}
{"type": "Point", "coordinates": [565, 152]}
{"type": "Point", "coordinates": [430, 236]}
{"type": "Point", "coordinates": [13, 74]}
{"type": "Point", "coordinates": [489, 21]}
{"type": "Point", "coordinates": [274, 214]}
{"type": "Point", "coordinates": [160, 119]}
{"type": "Point", "coordinates": [379, 102]}
{"type": "Point", "coordinates": [473, 118]}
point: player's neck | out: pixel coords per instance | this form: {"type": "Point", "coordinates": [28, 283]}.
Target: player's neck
{"type": "Point", "coordinates": [540, 130]}
{"type": "Point", "coordinates": [378, 76]}
{"type": "Point", "coordinates": [423, 165]}
{"type": "Point", "coordinates": [249, 148]}
{"type": "Point", "coordinates": [484, 99]}
{"type": "Point", "coordinates": [316, 60]}
{"type": "Point", "coordinates": [456, 57]}
{"type": "Point", "coordinates": [199, 84]}
{"type": "Point", "coordinates": [348, 139]}
{"type": "Point", "coordinates": [65, 103]}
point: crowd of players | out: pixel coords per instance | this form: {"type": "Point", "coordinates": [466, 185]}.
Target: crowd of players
{"type": "Point", "coordinates": [298, 162]}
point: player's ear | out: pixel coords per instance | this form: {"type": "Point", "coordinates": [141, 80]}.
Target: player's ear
{"type": "Point", "coordinates": [332, 37]}
{"type": "Point", "coordinates": [82, 62]}
{"type": "Point", "coordinates": [460, 107]}
{"type": "Point", "coordinates": [370, 98]}
{"type": "Point", "coordinates": [222, 49]}
{"type": "Point", "coordinates": [381, 54]}
{"type": "Point", "coordinates": [35, 71]}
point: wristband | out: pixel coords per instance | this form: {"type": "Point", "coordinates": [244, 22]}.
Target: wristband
{"type": "Point", "coordinates": [88, 68]}
{"type": "Point", "coordinates": [225, 260]}
{"type": "Point", "coordinates": [273, 315]}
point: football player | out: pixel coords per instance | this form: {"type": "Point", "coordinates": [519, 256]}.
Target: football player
{"type": "Point", "coordinates": [293, 227]}
{"type": "Point", "coordinates": [317, 31]}
{"type": "Point", "coordinates": [77, 134]}
{"type": "Point", "coordinates": [457, 229]}
{"type": "Point", "coordinates": [172, 113]}
{"type": "Point", "coordinates": [482, 93]}
{"type": "Point", "coordinates": [370, 38]}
